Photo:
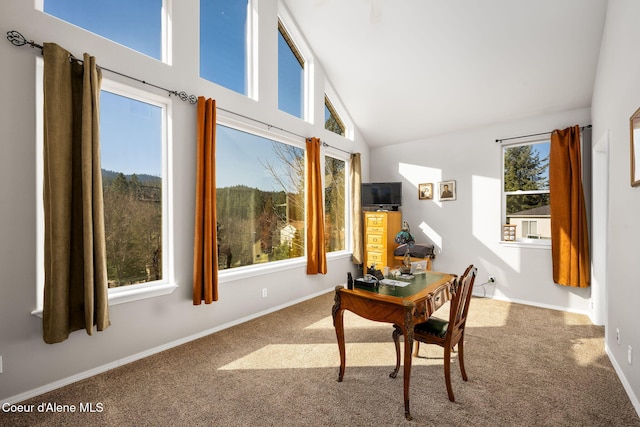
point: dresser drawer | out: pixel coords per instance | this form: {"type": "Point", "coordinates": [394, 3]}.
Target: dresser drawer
{"type": "Point", "coordinates": [375, 230]}
{"type": "Point", "coordinates": [375, 221]}
{"type": "Point", "coordinates": [375, 239]}
{"type": "Point", "coordinates": [375, 257]}
{"type": "Point", "coordinates": [375, 247]}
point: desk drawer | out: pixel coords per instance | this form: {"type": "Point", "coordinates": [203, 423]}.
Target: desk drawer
{"type": "Point", "coordinates": [439, 297]}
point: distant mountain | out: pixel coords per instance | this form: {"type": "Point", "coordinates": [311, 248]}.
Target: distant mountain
{"type": "Point", "coordinates": [108, 175]}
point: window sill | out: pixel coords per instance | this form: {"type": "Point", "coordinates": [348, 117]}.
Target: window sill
{"type": "Point", "coordinates": [124, 295]}
{"type": "Point", "coordinates": [239, 273]}
{"type": "Point", "coordinates": [528, 243]}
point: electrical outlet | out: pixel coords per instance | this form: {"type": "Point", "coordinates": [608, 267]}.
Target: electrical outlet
{"type": "Point", "coordinates": [618, 335]}
{"type": "Point", "coordinates": [629, 352]}
{"type": "Point", "coordinates": [492, 279]}
{"type": "Point", "coordinates": [264, 292]}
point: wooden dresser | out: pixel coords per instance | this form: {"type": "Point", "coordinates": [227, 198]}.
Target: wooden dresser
{"type": "Point", "coordinates": [380, 229]}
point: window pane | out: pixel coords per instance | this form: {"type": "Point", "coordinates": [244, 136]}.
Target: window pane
{"type": "Point", "coordinates": [131, 156]}
{"type": "Point", "coordinates": [334, 204]}
{"type": "Point", "coordinates": [260, 199]}
{"type": "Point", "coordinates": [332, 121]}
{"type": "Point", "coordinates": [526, 167]}
{"type": "Point", "coordinates": [135, 24]}
{"type": "Point", "coordinates": [290, 76]}
{"type": "Point", "coordinates": [223, 48]}
{"type": "Point", "coordinates": [531, 214]}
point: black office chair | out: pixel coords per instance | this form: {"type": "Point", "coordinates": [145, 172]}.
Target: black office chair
{"type": "Point", "coordinates": [444, 333]}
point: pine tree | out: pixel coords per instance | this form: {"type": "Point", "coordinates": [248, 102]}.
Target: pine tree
{"type": "Point", "coordinates": [524, 170]}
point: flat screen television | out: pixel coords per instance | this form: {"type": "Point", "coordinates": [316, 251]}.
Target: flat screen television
{"type": "Point", "coordinates": [382, 195]}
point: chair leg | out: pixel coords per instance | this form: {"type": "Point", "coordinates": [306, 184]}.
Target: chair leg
{"type": "Point", "coordinates": [447, 372]}
{"type": "Point", "coordinates": [396, 335]}
{"type": "Point", "coordinates": [415, 353]}
{"type": "Point", "coordinates": [461, 358]}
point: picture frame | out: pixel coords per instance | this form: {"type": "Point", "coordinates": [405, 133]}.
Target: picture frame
{"type": "Point", "coordinates": [447, 190]}
{"type": "Point", "coordinates": [425, 191]}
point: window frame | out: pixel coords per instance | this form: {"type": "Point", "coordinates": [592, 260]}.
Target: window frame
{"type": "Point", "coordinates": [166, 19]}
{"type": "Point", "coordinates": [520, 241]}
{"type": "Point", "coordinates": [347, 197]}
{"type": "Point", "coordinates": [295, 40]}
{"type": "Point", "coordinates": [123, 294]}
{"type": "Point", "coordinates": [332, 110]}
{"type": "Point", "coordinates": [239, 273]}
{"type": "Point", "coordinates": [251, 39]}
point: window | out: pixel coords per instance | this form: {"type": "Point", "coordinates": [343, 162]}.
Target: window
{"type": "Point", "coordinates": [334, 204]}
{"type": "Point", "coordinates": [135, 24]}
{"type": "Point", "coordinates": [260, 199]}
{"type": "Point", "coordinates": [131, 133]}
{"type": "Point", "coordinates": [290, 75]}
{"type": "Point", "coordinates": [134, 139]}
{"type": "Point", "coordinates": [332, 120]}
{"type": "Point", "coordinates": [223, 43]}
{"type": "Point", "coordinates": [526, 189]}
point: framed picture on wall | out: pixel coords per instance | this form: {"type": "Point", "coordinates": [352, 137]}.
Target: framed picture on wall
{"type": "Point", "coordinates": [447, 190]}
{"type": "Point", "coordinates": [425, 191]}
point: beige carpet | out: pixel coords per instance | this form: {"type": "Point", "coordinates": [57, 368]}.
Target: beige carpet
{"type": "Point", "coordinates": [527, 366]}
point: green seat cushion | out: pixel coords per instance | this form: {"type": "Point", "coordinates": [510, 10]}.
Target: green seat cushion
{"type": "Point", "coordinates": [433, 326]}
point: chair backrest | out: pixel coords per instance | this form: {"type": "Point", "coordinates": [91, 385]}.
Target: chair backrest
{"type": "Point", "coordinates": [460, 300]}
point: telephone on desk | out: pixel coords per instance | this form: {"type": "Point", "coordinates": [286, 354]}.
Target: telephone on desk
{"type": "Point", "coordinates": [371, 279]}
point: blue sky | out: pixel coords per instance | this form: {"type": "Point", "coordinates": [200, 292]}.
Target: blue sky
{"type": "Point", "coordinates": [130, 130]}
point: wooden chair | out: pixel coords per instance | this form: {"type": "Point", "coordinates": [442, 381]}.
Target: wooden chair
{"type": "Point", "coordinates": [444, 333]}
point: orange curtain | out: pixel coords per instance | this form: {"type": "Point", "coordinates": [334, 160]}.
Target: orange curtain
{"type": "Point", "coordinates": [205, 250]}
{"type": "Point", "coordinates": [75, 262]}
{"type": "Point", "coordinates": [569, 234]}
{"type": "Point", "coordinates": [314, 216]}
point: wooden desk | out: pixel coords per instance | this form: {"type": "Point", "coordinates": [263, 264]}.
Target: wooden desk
{"type": "Point", "coordinates": [402, 306]}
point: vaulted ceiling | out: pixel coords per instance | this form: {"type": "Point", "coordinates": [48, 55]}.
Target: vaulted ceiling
{"type": "Point", "coordinates": [411, 69]}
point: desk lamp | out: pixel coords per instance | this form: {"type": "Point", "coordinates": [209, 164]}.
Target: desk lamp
{"type": "Point", "coordinates": [404, 237]}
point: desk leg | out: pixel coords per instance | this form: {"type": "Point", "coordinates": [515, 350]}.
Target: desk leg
{"type": "Point", "coordinates": [338, 323]}
{"type": "Point", "coordinates": [407, 331]}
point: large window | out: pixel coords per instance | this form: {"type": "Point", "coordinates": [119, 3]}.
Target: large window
{"type": "Point", "coordinates": [260, 199]}
{"type": "Point", "coordinates": [290, 74]}
{"type": "Point", "coordinates": [334, 204]}
{"type": "Point", "coordinates": [223, 43]}
{"type": "Point", "coordinates": [135, 24]}
{"type": "Point", "coordinates": [526, 189]}
{"type": "Point", "coordinates": [131, 133]}
{"type": "Point", "coordinates": [134, 142]}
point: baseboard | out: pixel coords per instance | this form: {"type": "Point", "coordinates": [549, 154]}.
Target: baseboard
{"type": "Point", "coordinates": [125, 360]}
{"type": "Point", "coordinates": [533, 304]}
{"type": "Point", "coordinates": [623, 380]}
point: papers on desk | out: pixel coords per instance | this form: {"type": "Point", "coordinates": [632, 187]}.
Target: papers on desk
{"type": "Point", "coordinates": [391, 282]}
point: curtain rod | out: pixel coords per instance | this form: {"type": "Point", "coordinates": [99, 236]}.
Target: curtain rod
{"type": "Point", "coordinates": [17, 39]}
{"type": "Point", "coordinates": [536, 134]}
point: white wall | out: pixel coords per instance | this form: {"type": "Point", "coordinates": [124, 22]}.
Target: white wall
{"type": "Point", "coordinates": [468, 230]}
{"type": "Point", "coordinates": [31, 366]}
{"type": "Point", "coordinates": [616, 96]}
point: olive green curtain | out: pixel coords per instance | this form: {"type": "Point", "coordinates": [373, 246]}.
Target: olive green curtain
{"type": "Point", "coordinates": [314, 213]}
{"type": "Point", "coordinates": [569, 231]}
{"type": "Point", "coordinates": [75, 288]}
{"type": "Point", "coordinates": [205, 250]}
{"type": "Point", "coordinates": [355, 172]}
